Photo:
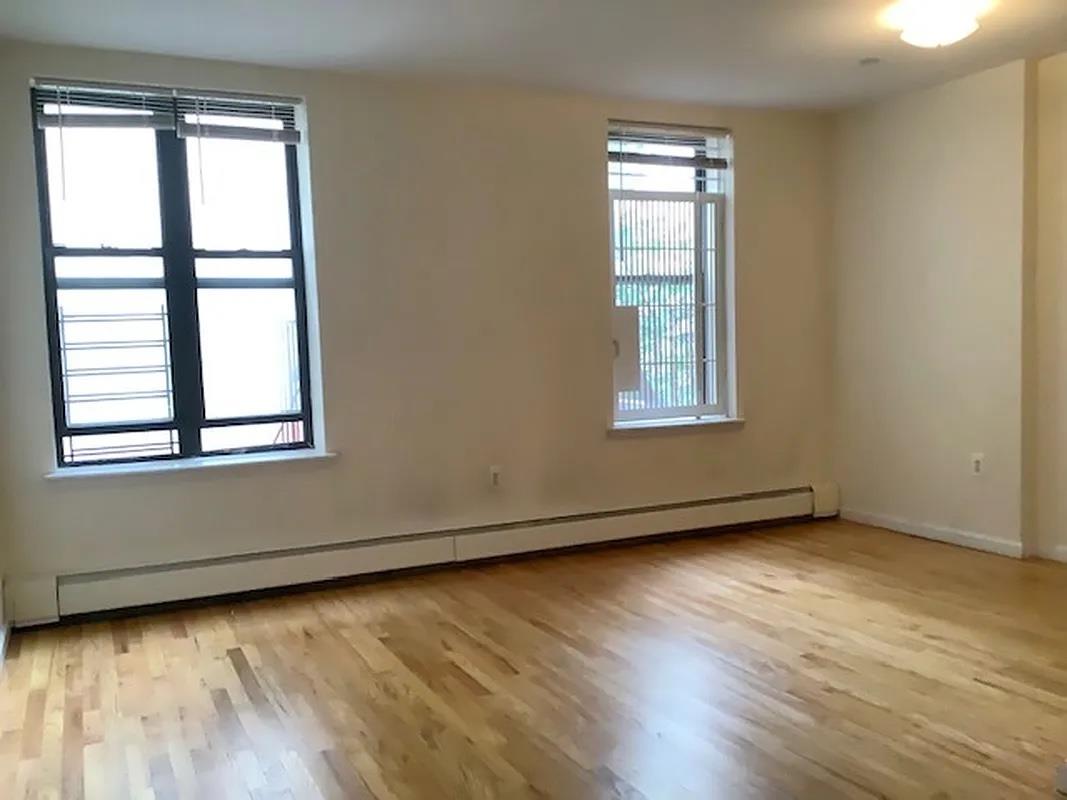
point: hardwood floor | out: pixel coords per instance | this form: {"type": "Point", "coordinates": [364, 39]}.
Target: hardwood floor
{"type": "Point", "coordinates": [817, 661]}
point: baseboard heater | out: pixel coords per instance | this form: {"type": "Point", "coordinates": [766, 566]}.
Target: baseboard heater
{"type": "Point", "coordinates": [122, 588]}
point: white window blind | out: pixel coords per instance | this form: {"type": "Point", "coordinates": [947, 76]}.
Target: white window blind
{"type": "Point", "coordinates": [192, 113]}
{"type": "Point", "coordinates": [668, 191]}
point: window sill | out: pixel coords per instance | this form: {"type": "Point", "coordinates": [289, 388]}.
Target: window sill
{"type": "Point", "coordinates": [190, 464]}
{"type": "Point", "coordinates": [676, 424]}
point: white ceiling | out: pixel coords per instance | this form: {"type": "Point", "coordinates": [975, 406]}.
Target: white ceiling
{"type": "Point", "coordinates": [753, 52]}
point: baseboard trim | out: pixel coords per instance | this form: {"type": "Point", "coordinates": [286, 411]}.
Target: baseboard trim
{"type": "Point", "coordinates": [87, 593]}
{"type": "Point", "coordinates": [970, 539]}
{"type": "Point", "coordinates": [640, 524]}
{"type": "Point", "coordinates": [1059, 553]}
{"type": "Point", "coordinates": [81, 594]}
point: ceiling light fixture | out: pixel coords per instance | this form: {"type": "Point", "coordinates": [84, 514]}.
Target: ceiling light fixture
{"type": "Point", "coordinates": [935, 23]}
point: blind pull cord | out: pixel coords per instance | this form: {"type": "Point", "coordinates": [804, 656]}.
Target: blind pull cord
{"type": "Point", "coordinates": [200, 153]}
{"type": "Point", "coordinates": [62, 147]}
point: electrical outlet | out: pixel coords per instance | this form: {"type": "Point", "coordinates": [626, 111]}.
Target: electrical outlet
{"type": "Point", "coordinates": [495, 475]}
{"type": "Point", "coordinates": [977, 463]}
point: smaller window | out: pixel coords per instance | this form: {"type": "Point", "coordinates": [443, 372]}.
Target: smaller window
{"type": "Point", "coordinates": [669, 192]}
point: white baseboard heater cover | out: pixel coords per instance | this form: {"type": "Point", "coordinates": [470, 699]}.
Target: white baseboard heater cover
{"type": "Point", "coordinates": [631, 525]}
{"type": "Point", "coordinates": [125, 588]}
{"type": "Point", "coordinates": [101, 591]}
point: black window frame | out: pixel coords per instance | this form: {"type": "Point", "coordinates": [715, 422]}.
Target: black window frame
{"type": "Point", "coordinates": [180, 284]}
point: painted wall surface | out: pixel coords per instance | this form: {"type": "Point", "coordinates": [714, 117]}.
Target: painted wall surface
{"type": "Point", "coordinates": [929, 243]}
{"type": "Point", "coordinates": [1051, 307]}
{"type": "Point", "coordinates": [464, 299]}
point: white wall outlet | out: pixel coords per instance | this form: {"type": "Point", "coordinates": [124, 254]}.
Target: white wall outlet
{"type": "Point", "coordinates": [977, 463]}
{"type": "Point", "coordinates": [496, 474]}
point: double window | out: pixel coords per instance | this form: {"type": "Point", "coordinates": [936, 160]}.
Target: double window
{"type": "Point", "coordinates": [174, 275]}
{"type": "Point", "coordinates": [669, 191]}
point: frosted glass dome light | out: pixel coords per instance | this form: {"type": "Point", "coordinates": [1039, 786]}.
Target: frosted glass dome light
{"type": "Point", "coordinates": [935, 23]}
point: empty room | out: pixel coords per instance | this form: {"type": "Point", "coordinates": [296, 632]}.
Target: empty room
{"type": "Point", "coordinates": [447, 399]}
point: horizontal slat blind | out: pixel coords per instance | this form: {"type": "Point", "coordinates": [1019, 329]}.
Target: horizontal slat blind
{"type": "Point", "coordinates": [193, 129]}
{"type": "Point", "coordinates": [632, 145]}
{"type": "Point", "coordinates": [193, 113]}
{"type": "Point", "coordinates": [222, 107]}
{"type": "Point", "coordinates": [130, 99]}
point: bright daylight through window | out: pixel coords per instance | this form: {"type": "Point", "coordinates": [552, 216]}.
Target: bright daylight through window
{"type": "Point", "coordinates": [669, 191]}
{"type": "Point", "coordinates": [174, 274]}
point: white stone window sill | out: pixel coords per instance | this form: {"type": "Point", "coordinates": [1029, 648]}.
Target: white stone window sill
{"type": "Point", "coordinates": [674, 424]}
{"type": "Point", "coordinates": [233, 461]}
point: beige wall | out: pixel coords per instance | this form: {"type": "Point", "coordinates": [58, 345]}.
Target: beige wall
{"type": "Point", "coordinates": [1051, 304]}
{"type": "Point", "coordinates": [929, 250]}
{"type": "Point", "coordinates": [463, 272]}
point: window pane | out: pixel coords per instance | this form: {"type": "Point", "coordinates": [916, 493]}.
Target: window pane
{"type": "Point", "coordinates": [656, 270]}
{"type": "Point", "coordinates": [103, 187]}
{"type": "Point", "coordinates": [238, 194]}
{"type": "Point", "coordinates": [711, 306]}
{"type": "Point", "coordinates": [663, 177]}
{"type": "Point", "coordinates": [244, 268]}
{"type": "Point", "coordinates": [248, 345]}
{"type": "Point", "coordinates": [237, 437]}
{"type": "Point", "coordinates": [108, 267]}
{"type": "Point", "coordinates": [119, 446]}
{"type": "Point", "coordinates": [115, 355]}
{"type": "Point", "coordinates": [650, 177]}
{"type": "Point", "coordinates": [667, 358]}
